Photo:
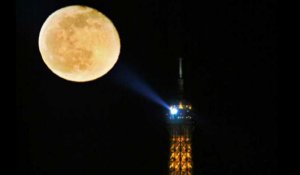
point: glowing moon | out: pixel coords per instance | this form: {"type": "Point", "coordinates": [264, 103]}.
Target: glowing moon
{"type": "Point", "coordinates": [79, 43]}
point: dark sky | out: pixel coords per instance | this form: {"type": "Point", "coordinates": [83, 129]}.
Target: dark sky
{"type": "Point", "coordinates": [102, 127]}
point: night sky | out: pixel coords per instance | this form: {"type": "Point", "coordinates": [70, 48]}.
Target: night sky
{"type": "Point", "coordinates": [104, 127]}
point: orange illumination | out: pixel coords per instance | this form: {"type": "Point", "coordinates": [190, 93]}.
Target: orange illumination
{"type": "Point", "coordinates": [180, 159]}
{"type": "Point", "coordinates": [180, 105]}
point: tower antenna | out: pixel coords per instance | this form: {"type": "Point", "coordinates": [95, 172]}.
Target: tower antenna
{"type": "Point", "coordinates": [180, 80]}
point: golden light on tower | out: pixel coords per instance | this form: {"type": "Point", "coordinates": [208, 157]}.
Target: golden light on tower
{"type": "Point", "coordinates": [79, 43]}
{"type": "Point", "coordinates": [180, 155]}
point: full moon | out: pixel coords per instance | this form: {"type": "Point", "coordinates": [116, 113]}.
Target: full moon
{"type": "Point", "coordinates": [79, 43]}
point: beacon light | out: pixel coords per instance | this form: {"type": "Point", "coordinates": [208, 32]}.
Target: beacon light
{"type": "Point", "coordinates": [173, 110]}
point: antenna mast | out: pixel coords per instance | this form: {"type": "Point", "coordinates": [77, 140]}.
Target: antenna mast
{"type": "Point", "coordinates": [180, 80]}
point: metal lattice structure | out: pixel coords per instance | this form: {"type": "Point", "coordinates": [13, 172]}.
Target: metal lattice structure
{"type": "Point", "coordinates": [181, 127]}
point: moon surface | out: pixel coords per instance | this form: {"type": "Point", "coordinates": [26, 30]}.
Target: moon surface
{"type": "Point", "coordinates": [79, 43]}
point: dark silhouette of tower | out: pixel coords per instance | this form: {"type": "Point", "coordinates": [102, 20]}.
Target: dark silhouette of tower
{"type": "Point", "coordinates": [180, 122]}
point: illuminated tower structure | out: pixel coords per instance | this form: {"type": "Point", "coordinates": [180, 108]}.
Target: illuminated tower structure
{"type": "Point", "coordinates": [180, 122]}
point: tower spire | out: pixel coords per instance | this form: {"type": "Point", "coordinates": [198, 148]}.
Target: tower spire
{"type": "Point", "coordinates": [180, 67]}
{"type": "Point", "coordinates": [180, 80]}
